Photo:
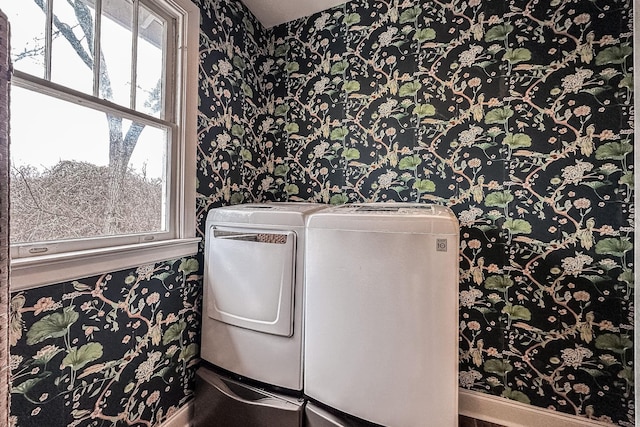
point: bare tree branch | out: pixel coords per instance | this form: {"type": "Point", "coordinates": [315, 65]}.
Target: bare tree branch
{"type": "Point", "coordinates": [67, 33]}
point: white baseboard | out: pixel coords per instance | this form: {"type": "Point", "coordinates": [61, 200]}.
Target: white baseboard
{"type": "Point", "coordinates": [510, 413]}
{"type": "Point", "coordinates": [182, 417]}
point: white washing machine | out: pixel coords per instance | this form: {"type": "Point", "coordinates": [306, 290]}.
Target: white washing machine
{"type": "Point", "coordinates": [253, 291]}
{"type": "Point", "coordinates": [381, 310]}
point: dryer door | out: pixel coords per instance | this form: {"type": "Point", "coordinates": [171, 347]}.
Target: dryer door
{"type": "Point", "coordinates": [249, 278]}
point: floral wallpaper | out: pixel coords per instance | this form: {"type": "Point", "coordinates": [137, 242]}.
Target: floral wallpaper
{"type": "Point", "coordinates": [516, 114]}
{"type": "Point", "coordinates": [116, 349]}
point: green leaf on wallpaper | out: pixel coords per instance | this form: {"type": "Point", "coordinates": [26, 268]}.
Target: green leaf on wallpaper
{"type": "Point", "coordinates": [338, 199]}
{"type": "Point", "coordinates": [595, 91]}
{"type": "Point", "coordinates": [595, 373]}
{"type": "Point", "coordinates": [410, 15]}
{"type": "Point", "coordinates": [53, 325]}
{"type": "Point", "coordinates": [77, 358]}
{"type": "Point", "coordinates": [613, 55]}
{"type": "Point", "coordinates": [291, 189]}
{"type": "Point", "coordinates": [424, 35]}
{"type": "Point", "coordinates": [627, 179]}
{"type": "Point", "coordinates": [292, 67]}
{"type": "Point", "coordinates": [424, 110]}
{"type": "Point", "coordinates": [616, 343]}
{"type": "Point", "coordinates": [339, 68]}
{"type": "Point", "coordinates": [517, 226]}
{"type": "Point", "coordinates": [292, 128]}
{"type": "Point", "coordinates": [499, 199]}
{"type": "Point", "coordinates": [517, 312]}
{"type": "Point", "coordinates": [238, 62]}
{"type": "Point", "coordinates": [129, 387]}
{"type": "Point", "coordinates": [497, 366]}
{"type": "Point", "coordinates": [339, 134]}
{"type": "Point", "coordinates": [498, 115]}
{"type": "Point", "coordinates": [351, 86]}
{"type": "Point", "coordinates": [498, 283]}
{"type": "Point", "coordinates": [595, 184]}
{"type": "Point", "coordinates": [281, 170]}
{"type": "Point", "coordinates": [409, 162]}
{"type": "Point", "coordinates": [594, 278]}
{"type": "Point", "coordinates": [515, 56]}
{"type": "Point", "coordinates": [80, 287]}
{"type": "Point", "coordinates": [485, 145]}
{"type": "Point", "coordinates": [237, 130]}
{"type": "Point", "coordinates": [173, 332]}
{"type": "Point", "coordinates": [246, 90]}
{"type": "Point", "coordinates": [484, 64]}
{"type": "Point", "coordinates": [617, 246]}
{"type": "Point", "coordinates": [351, 154]}
{"type": "Point", "coordinates": [516, 395]}
{"type": "Point", "coordinates": [628, 277]}
{"type": "Point", "coordinates": [517, 140]}
{"type": "Point", "coordinates": [236, 198]}
{"type": "Point", "coordinates": [626, 374]}
{"type": "Point", "coordinates": [351, 19]}
{"type": "Point", "coordinates": [424, 185]}
{"type": "Point", "coordinates": [627, 81]}
{"type": "Point", "coordinates": [189, 352]}
{"type": "Point", "coordinates": [409, 89]}
{"type": "Point", "coordinates": [484, 310]}
{"type": "Point", "coordinates": [498, 33]}
{"type": "Point", "coordinates": [188, 266]}
{"type": "Point", "coordinates": [246, 155]}
{"type": "Point", "coordinates": [281, 50]}
{"type": "Point", "coordinates": [25, 386]}
{"type": "Point", "coordinates": [281, 110]}
{"type": "Point", "coordinates": [614, 150]}
{"type": "Point", "coordinates": [162, 373]}
{"type": "Point", "coordinates": [248, 25]}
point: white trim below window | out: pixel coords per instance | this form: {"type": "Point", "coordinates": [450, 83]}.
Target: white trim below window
{"type": "Point", "coordinates": [27, 273]}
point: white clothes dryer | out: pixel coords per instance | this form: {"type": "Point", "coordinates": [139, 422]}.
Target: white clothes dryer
{"type": "Point", "coordinates": [253, 291]}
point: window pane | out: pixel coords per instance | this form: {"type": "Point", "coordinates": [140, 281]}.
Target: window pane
{"type": "Point", "coordinates": [27, 35]}
{"type": "Point", "coordinates": [66, 181]}
{"type": "Point", "coordinates": [150, 87]}
{"type": "Point", "coordinates": [72, 49]}
{"type": "Point", "coordinates": [116, 40]}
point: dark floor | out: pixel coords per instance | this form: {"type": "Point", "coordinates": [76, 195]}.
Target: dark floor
{"type": "Point", "coordinates": [471, 422]}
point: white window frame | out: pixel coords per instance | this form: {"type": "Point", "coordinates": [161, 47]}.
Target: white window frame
{"type": "Point", "coordinates": [64, 261]}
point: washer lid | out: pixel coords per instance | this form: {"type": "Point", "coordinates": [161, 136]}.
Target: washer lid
{"type": "Point", "coordinates": [275, 213]}
{"type": "Point", "coordinates": [394, 217]}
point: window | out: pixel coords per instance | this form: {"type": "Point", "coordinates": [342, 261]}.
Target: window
{"type": "Point", "coordinates": [103, 111]}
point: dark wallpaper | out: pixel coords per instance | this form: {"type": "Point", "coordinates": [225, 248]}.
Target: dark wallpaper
{"type": "Point", "coordinates": [516, 114]}
{"type": "Point", "coordinates": [115, 349]}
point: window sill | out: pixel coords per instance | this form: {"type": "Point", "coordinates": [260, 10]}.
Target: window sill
{"type": "Point", "coordinates": [33, 272]}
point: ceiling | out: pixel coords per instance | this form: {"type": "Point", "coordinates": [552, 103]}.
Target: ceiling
{"type": "Point", "coordinates": [274, 12]}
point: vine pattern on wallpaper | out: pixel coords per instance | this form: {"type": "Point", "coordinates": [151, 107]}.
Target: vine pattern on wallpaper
{"type": "Point", "coordinates": [119, 348]}
{"type": "Point", "coordinates": [517, 114]}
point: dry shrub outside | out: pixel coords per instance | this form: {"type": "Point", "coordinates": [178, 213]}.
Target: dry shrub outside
{"type": "Point", "coordinates": [71, 200]}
